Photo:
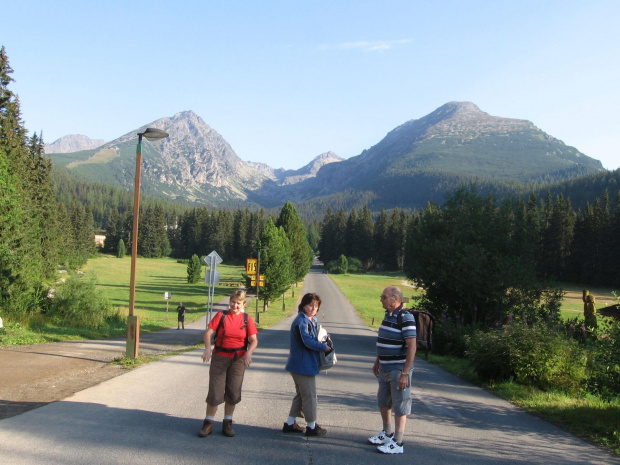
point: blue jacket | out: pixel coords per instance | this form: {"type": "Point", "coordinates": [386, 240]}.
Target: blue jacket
{"type": "Point", "coordinates": [304, 353]}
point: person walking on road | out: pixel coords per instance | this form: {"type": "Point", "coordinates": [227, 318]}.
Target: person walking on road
{"type": "Point", "coordinates": [180, 315]}
{"type": "Point", "coordinates": [393, 367]}
{"type": "Point", "coordinates": [303, 365]}
{"type": "Point", "coordinates": [235, 342]}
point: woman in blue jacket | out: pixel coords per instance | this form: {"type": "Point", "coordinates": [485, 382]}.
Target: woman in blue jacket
{"type": "Point", "coordinates": [303, 364]}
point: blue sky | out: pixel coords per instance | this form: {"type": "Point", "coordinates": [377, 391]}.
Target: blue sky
{"type": "Point", "coordinates": [284, 81]}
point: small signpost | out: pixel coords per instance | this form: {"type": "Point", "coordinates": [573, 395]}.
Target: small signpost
{"type": "Point", "coordinates": [212, 277]}
{"type": "Point", "coordinates": [261, 280]}
{"type": "Point", "coordinates": [167, 296]}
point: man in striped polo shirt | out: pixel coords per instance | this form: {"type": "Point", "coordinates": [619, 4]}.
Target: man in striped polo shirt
{"type": "Point", "coordinates": [396, 348]}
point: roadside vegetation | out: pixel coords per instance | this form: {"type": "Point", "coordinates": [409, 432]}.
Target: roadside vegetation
{"type": "Point", "coordinates": [96, 302]}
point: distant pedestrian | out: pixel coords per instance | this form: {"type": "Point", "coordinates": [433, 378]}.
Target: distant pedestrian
{"type": "Point", "coordinates": [396, 346]}
{"type": "Point", "coordinates": [303, 365]}
{"type": "Point", "coordinates": [235, 341]}
{"type": "Point", "coordinates": [180, 315]}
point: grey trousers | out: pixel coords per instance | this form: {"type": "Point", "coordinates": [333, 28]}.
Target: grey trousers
{"type": "Point", "coordinates": [304, 402]}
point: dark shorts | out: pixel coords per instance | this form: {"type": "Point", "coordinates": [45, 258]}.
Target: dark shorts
{"type": "Point", "coordinates": [390, 396]}
{"type": "Point", "coordinates": [225, 380]}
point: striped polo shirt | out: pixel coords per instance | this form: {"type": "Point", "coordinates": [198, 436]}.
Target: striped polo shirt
{"type": "Point", "coordinates": [391, 346]}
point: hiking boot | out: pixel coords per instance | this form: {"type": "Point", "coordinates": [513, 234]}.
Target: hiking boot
{"type": "Point", "coordinates": [391, 447]}
{"type": "Point", "coordinates": [294, 428]}
{"type": "Point", "coordinates": [227, 429]}
{"type": "Point", "coordinates": [207, 428]}
{"type": "Point", "coordinates": [317, 431]}
{"type": "Point", "coordinates": [380, 438]}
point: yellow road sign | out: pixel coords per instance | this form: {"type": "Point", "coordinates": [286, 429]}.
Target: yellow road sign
{"type": "Point", "coordinates": [250, 266]}
{"type": "Point", "coordinates": [261, 282]}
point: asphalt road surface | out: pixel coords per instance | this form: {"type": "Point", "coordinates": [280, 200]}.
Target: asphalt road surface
{"type": "Point", "coordinates": [152, 414]}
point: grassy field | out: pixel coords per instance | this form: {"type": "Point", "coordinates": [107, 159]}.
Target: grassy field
{"type": "Point", "coordinates": [573, 299]}
{"type": "Point", "coordinates": [154, 277]}
{"type": "Point", "coordinates": [363, 292]}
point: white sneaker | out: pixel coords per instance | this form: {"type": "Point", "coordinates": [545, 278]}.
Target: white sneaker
{"type": "Point", "coordinates": [380, 438]}
{"type": "Point", "coordinates": [391, 447]}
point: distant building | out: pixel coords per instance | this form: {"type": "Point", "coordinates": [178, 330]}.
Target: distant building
{"type": "Point", "coordinates": [99, 239]}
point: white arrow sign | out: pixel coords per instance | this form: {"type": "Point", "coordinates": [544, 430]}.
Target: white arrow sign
{"type": "Point", "coordinates": [213, 259]}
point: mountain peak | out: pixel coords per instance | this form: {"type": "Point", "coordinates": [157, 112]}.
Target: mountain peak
{"type": "Point", "coordinates": [73, 143]}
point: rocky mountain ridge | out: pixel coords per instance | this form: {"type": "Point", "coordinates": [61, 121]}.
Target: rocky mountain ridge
{"type": "Point", "coordinates": [457, 141]}
{"type": "Point", "coordinates": [73, 143]}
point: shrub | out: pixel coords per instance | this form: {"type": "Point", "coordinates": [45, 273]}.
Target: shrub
{"type": "Point", "coordinates": [121, 249]}
{"type": "Point", "coordinates": [77, 302]}
{"type": "Point", "coordinates": [355, 265]}
{"type": "Point", "coordinates": [340, 266]}
{"type": "Point", "coordinates": [194, 270]}
{"type": "Point", "coordinates": [604, 366]}
{"type": "Point", "coordinates": [449, 336]}
{"type": "Point", "coordinates": [533, 355]}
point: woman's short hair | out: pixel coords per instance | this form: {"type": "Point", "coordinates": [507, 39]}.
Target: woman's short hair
{"type": "Point", "coordinates": [239, 294]}
{"type": "Point", "coordinates": [309, 298]}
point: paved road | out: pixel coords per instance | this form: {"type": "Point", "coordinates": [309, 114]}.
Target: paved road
{"type": "Point", "coordinates": [151, 415]}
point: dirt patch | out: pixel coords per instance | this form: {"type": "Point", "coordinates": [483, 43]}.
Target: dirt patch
{"type": "Point", "coordinates": [36, 375]}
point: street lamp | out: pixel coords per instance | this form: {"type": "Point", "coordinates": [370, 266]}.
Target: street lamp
{"type": "Point", "coordinates": [258, 280]}
{"type": "Point", "coordinates": [133, 322]}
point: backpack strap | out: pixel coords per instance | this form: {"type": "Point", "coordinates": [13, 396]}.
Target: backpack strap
{"type": "Point", "coordinates": [217, 348]}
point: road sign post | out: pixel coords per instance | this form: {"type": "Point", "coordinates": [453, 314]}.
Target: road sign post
{"type": "Point", "coordinates": [212, 277]}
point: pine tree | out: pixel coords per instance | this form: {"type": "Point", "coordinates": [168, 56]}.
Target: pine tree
{"type": "Point", "coordinates": [121, 251]}
{"type": "Point", "coordinates": [365, 233]}
{"type": "Point", "coordinates": [26, 208]}
{"type": "Point", "coordinates": [113, 233]}
{"type": "Point", "coordinates": [380, 240]}
{"type": "Point", "coordinates": [275, 263]}
{"type": "Point", "coordinates": [194, 270]}
{"type": "Point", "coordinates": [333, 235]}
{"type": "Point", "coordinates": [301, 253]}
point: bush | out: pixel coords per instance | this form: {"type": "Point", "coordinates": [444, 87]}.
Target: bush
{"type": "Point", "coordinates": [355, 265]}
{"type": "Point", "coordinates": [121, 249]}
{"type": "Point", "coordinates": [604, 365]}
{"type": "Point", "coordinates": [77, 302]}
{"type": "Point", "coordinates": [533, 355]}
{"type": "Point", "coordinates": [449, 336]}
{"type": "Point", "coordinates": [194, 270]}
{"type": "Point", "coordinates": [340, 266]}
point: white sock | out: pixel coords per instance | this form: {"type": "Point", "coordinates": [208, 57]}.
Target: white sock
{"type": "Point", "coordinates": [312, 424]}
{"type": "Point", "coordinates": [208, 417]}
{"type": "Point", "coordinates": [290, 421]}
{"type": "Point", "coordinates": [227, 417]}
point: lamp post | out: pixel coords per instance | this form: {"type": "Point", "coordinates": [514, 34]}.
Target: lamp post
{"type": "Point", "coordinates": [133, 321]}
{"type": "Point", "coordinates": [258, 281]}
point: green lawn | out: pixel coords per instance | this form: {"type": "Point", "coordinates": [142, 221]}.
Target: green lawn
{"type": "Point", "coordinates": [154, 277]}
{"type": "Point", "coordinates": [573, 299]}
{"type": "Point", "coordinates": [364, 290]}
